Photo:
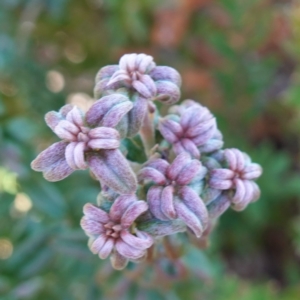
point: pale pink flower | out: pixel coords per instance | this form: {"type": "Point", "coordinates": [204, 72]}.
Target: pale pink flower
{"type": "Point", "coordinates": [114, 233]}
{"type": "Point", "coordinates": [86, 146]}
{"type": "Point", "coordinates": [173, 195]}
{"type": "Point", "coordinates": [144, 81]}
{"type": "Point", "coordinates": [193, 129]}
{"type": "Point", "coordinates": [139, 72]}
{"type": "Point", "coordinates": [239, 177]}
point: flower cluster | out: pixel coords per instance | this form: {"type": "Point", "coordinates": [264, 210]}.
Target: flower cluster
{"type": "Point", "coordinates": [186, 181]}
{"type": "Point", "coordinates": [175, 191]}
{"type": "Point", "coordinates": [191, 128]}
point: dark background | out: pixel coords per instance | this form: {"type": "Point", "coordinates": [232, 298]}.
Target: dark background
{"type": "Point", "coordinates": [239, 58]}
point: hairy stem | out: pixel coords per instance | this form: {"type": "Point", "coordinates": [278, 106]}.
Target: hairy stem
{"type": "Point", "coordinates": [147, 132]}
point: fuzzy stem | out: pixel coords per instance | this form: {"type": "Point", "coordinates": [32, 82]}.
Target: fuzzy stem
{"type": "Point", "coordinates": [147, 132]}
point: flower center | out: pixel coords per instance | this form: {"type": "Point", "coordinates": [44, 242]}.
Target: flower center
{"type": "Point", "coordinates": [134, 75]}
{"type": "Point", "coordinates": [112, 229]}
{"type": "Point", "coordinates": [83, 136]}
{"type": "Point", "coordinates": [238, 174]}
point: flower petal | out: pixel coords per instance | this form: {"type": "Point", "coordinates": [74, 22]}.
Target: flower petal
{"type": "Point", "coordinates": [66, 130]}
{"type": "Point", "coordinates": [166, 74]}
{"type": "Point", "coordinates": [252, 171]}
{"type": "Point", "coordinates": [218, 206]}
{"type": "Point", "coordinates": [190, 219]}
{"type": "Point", "coordinates": [222, 174]}
{"type": "Point", "coordinates": [127, 62]}
{"type": "Point", "coordinates": [103, 89]}
{"type": "Point", "coordinates": [96, 115]}
{"type": "Point", "coordinates": [104, 133]}
{"type": "Point", "coordinates": [120, 75]}
{"type": "Point", "coordinates": [169, 130]}
{"type": "Point", "coordinates": [240, 159]}
{"type": "Point", "coordinates": [231, 159]}
{"type": "Point", "coordinates": [144, 63]}
{"type": "Point", "coordinates": [192, 116]}
{"type": "Point", "coordinates": [154, 202]}
{"type": "Point", "coordinates": [190, 147]}
{"type": "Point", "coordinates": [118, 261]}
{"type": "Point", "coordinates": [220, 184]}
{"type": "Point", "coordinates": [98, 243]}
{"type": "Point", "coordinates": [191, 199]}
{"type": "Point", "coordinates": [177, 165]}
{"type": "Point", "coordinates": [69, 155]}
{"type": "Point", "coordinates": [52, 118]}
{"type": "Point", "coordinates": [189, 172]}
{"type": "Point", "coordinates": [202, 138]}
{"type": "Point", "coordinates": [75, 116]}
{"type": "Point", "coordinates": [136, 115]}
{"type": "Point", "coordinates": [152, 175]}
{"type": "Point", "coordinates": [167, 205]}
{"type": "Point", "coordinates": [141, 243]}
{"type": "Point", "coordinates": [52, 162]}
{"type": "Point", "coordinates": [211, 146]}
{"type": "Point", "coordinates": [167, 92]}
{"type": "Point", "coordinates": [239, 191]}
{"type": "Point", "coordinates": [202, 127]}
{"type": "Point", "coordinates": [95, 213]}
{"type": "Point", "coordinates": [149, 83]}
{"type": "Point", "coordinates": [97, 144]}
{"type": "Point", "coordinates": [106, 248]}
{"type": "Point", "coordinates": [116, 113]}
{"type": "Point", "coordinates": [91, 227]}
{"type": "Point", "coordinates": [142, 89]}
{"type": "Point", "coordinates": [133, 212]}
{"type": "Point", "coordinates": [128, 251]}
{"type": "Point", "coordinates": [113, 170]}
{"type": "Point", "coordinates": [79, 156]}
{"type": "Point", "coordinates": [178, 148]}
{"type": "Point", "coordinates": [106, 72]}
{"type": "Point", "coordinates": [158, 164]}
{"type": "Point", "coordinates": [248, 196]}
{"type": "Point", "coordinates": [256, 191]}
{"type": "Point", "coordinates": [120, 206]}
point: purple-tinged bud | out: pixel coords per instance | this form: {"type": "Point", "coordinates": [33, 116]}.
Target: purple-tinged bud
{"type": "Point", "coordinates": [52, 118]}
{"type": "Point", "coordinates": [139, 73]}
{"type": "Point", "coordinates": [85, 147]}
{"type": "Point", "coordinates": [195, 130]}
{"type": "Point", "coordinates": [217, 207]}
{"type": "Point", "coordinates": [134, 119]}
{"type": "Point", "coordinates": [113, 170]}
{"type": "Point", "coordinates": [173, 195]}
{"type": "Point", "coordinates": [109, 110]}
{"type": "Point", "coordinates": [114, 233]}
{"type": "Point", "coordinates": [239, 176]}
{"type": "Point", "coordinates": [52, 162]}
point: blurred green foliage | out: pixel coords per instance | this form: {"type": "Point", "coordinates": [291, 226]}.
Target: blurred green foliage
{"type": "Point", "coordinates": [239, 58]}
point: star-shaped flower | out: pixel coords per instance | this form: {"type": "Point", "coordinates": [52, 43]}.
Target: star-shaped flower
{"type": "Point", "coordinates": [144, 81]}
{"type": "Point", "coordinates": [191, 129]}
{"type": "Point", "coordinates": [175, 190]}
{"type": "Point", "coordinates": [238, 176]}
{"type": "Point", "coordinates": [114, 233]}
{"type": "Point", "coordinates": [85, 145]}
{"type": "Point", "coordinates": [139, 72]}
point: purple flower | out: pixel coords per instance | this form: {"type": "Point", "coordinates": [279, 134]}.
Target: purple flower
{"type": "Point", "coordinates": [238, 176]}
{"type": "Point", "coordinates": [84, 146]}
{"type": "Point", "coordinates": [144, 82]}
{"type": "Point", "coordinates": [193, 129]}
{"type": "Point", "coordinates": [172, 196]}
{"type": "Point", "coordinates": [114, 233]}
{"type": "Point", "coordinates": [139, 72]}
